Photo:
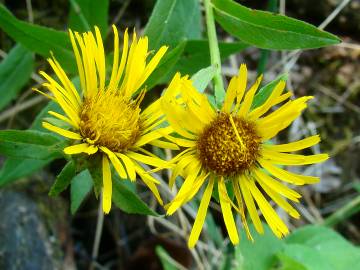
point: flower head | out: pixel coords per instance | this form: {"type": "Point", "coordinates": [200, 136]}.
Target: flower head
{"type": "Point", "coordinates": [230, 148]}
{"type": "Point", "coordinates": [104, 115]}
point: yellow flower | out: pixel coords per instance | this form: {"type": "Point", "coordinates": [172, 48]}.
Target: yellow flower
{"type": "Point", "coordinates": [104, 117]}
{"type": "Point", "coordinates": [228, 148]}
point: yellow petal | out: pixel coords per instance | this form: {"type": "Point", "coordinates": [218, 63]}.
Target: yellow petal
{"type": "Point", "coordinates": [276, 224]}
{"type": "Point", "coordinates": [165, 145]}
{"type": "Point", "coordinates": [286, 176]}
{"type": "Point", "coordinates": [245, 107]}
{"type": "Point", "coordinates": [63, 118]}
{"type": "Point", "coordinates": [241, 83]}
{"type": "Point", "coordinates": [112, 83]}
{"type": "Point", "coordinates": [151, 136]}
{"type": "Point", "coordinates": [280, 201]}
{"type": "Point", "coordinates": [185, 189]}
{"type": "Point", "coordinates": [71, 92]}
{"type": "Point", "coordinates": [200, 217]}
{"type": "Point", "coordinates": [237, 192]}
{"type": "Point", "coordinates": [100, 58]}
{"type": "Point", "coordinates": [152, 65]}
{"type": "Point", "coordinates": [107, 185]}
{"type": "Point", "coordinates": [230, 95]}
{"type": "Point", "coordinates": [295, 146]}
{"type": "Point", "coordinates": [292, 159]}
{"type": "Point", "coordinates": [180, 166]}
{"type": "Point", "coordinates": [62, 132]}
{"type": "Point", "coordinates": [250, 205]}
{"type": "Point", "coordinates": [280, 99]}
{"type": "Point", "coordinates": [280, 86]}
{"type": "Point", "coordinates": [265, 179]}
{"type": "Point", "coordinates": [227, 213]}
{"type": "Point", "coordinates": [149, 181]}
{"type": "Point", "coordinates": [80, 148]}
{"type": "Point", "coordinates": [236, 89]}
{"type": "Point", "coordinates": [156, 162]}
{"type": "Point", "coordinates": [130, 168]}
{"type": "Point", "coordinates": [79, 62]}
{"type": "Point", "coordinates": [115, 162]}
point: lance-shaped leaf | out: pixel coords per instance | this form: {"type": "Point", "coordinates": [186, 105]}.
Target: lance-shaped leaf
{"type": "Point", "coordinates": [15, 168]}
{"type": "Point", "coordinates": [39, 39]}
{"type": "Point", "coordinates": [81, 185]}
{"type": "Point", "coordinates": [63, 180]}
{"type": "Point", "coordinates": [173, 21]}
{"type": "Point", "coordinates": [269, 30]}
{"type": "Point", "coordinates": [128, 201]}
{"type": "Point", "coordinates": [15, 71]}
{"type": "Point", "coordinates": [30, 144]}
{"type": "Point", "coordinates": [85, 14]}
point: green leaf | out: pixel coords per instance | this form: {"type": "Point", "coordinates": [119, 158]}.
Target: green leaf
{"type": "Point", "coordinates": [167, 262]}
{"type": "Point", "coordinates": [166, 66]}
{"type": "Point", "coordinates": [81, 185]}
{"type": "Point", "coordinates": [304, 258]}
{"type": "Point", "coordinates": [239, 260]}
{"type": "Point", "coordinates": [202, 78]}
{"type": "Point", "coordinates": [85, 14]}
{"type": "Point", "coordinates": [268, 30]}
{"type": "Point", "coordinates": [173, 21]}
{"type": "Point", "coordinates": [15, 71]}
{"type": "Point", "coordinates": [128, 201]}
{"type": "Point", "coordinates": [195, 55]}
{"type": "Point", "coordinates": [260, 254]}
{"type": "Point", "coordinates": [264, 93]}
{"type": "Point", "coordinates": [30, 144]}
{"type": "Point", "coordinates": [289, 263]}
{"type": "Point", "coordinates": [338, 252]}
{"type": "Point", "coordinates": [39, 39]}
{"type": "Point", "coordinates": [13, 169]}
{"type": "Point", "coordinates": [63, 180]}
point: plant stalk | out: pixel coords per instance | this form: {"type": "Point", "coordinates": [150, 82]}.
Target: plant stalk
{"type": "Point", "coordinates": [214, 53]}
{"type": "Point", "coordinates": [98, 233]}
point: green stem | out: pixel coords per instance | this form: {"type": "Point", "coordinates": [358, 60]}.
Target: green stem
{"type": "Point", "coordinates": [214, 53]}
{"type": "Point", "coordinates": [344, 212]}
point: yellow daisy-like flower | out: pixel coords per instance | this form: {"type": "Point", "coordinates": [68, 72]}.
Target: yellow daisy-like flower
{"type": "Point", "coordinates": [228, 148]}
{"type": "Point", "coordinates": [104, 117]}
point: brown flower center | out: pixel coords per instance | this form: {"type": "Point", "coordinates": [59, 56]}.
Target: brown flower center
{"type": "Point", "coordinates": [229, 145]}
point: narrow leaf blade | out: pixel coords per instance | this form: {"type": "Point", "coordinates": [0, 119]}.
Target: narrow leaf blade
{"type": "Point", "coordinates": [30, 144]}
{"type": "Point", "coordinates": [173, 21]}
{"type": "Point", "coordinates": [268, 30]}
{"type": "Point", "coordinates": [39, 39]}
{"type": "Point", "coordinates": [128, 201]}
{"type": "Point", "coordinates": [15, 168]}
{"type": "Point", "coordinates": [15, 71]}
{"type": "Point", "coordinates": [81, 185]}
{"type": "Point", "coordinates": [63, 180]}
{"type": "Point", "coordinates": [85, 14]}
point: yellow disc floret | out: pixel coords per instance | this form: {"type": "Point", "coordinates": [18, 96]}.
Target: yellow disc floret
{"type": "Point", "coordinates": [229, 145]}
{"type": "Point", "coordinates": [107, 119]}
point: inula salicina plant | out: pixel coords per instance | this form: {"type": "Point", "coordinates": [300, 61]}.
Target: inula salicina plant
{"type": "Point", "coordinates": [130, 108]}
